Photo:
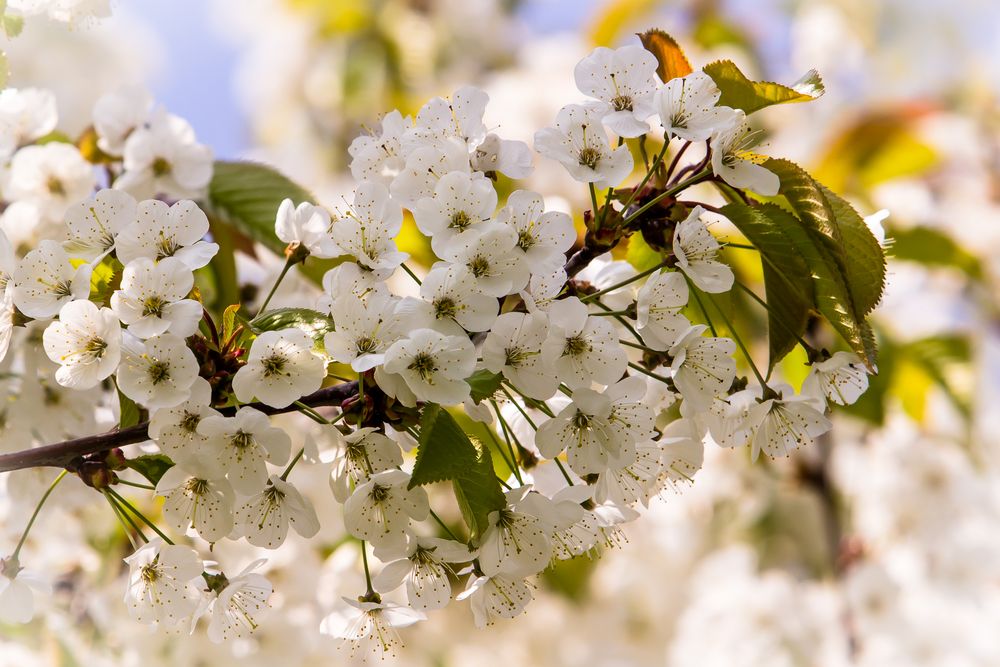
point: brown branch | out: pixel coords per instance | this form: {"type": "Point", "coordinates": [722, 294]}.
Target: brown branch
{"type": "Point", "coordinates": [61, 454]}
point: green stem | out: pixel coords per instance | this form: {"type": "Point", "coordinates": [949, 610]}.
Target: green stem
{"type": "Point", "coordinates": [593, 199]}
{"type": "Point", "coordinates": [701, 305]}
{"type": "Point", "coordinates": [34, 515]}
{"type": "Point", "coordinates": [622, 341]}
{"type": "Point", "coordinates": [129, 506]}
{"type": "Point", "coordinates": [517, 405]}
{"type": "Point", "coordinates": [126, 521]}
{"type": "Point", "coordinates": [538, 405]}
{"type": "Point", "coordinates": [312, 414]}
{"type": "Point", "coordinates": [148, 487]}
{"type": "Point", "coordinates": [649, 173]}
{"type": "Point", "coordinates": [410, 272]}
{"type": "Point", "coordinates": [629, 281]}
{"type": "Point", "coordinates": [669, 192]}
{"type": "Point", "coordinates": [622, 321]}
{"type": "Point", "coordinates": [508, 433]}
{"type": "Point", "coordinates": [562, 469]}
{"type": "Point", "coordinates": [613, 313]}
{"type": "Point", "coordinates": [503, 455]}
{"type": "Point", "coordinates": [444, 526]}
{"type": "Point", "coordinates": [368, 574]}
{"type": "Point", "coordinates": [739, 341]}
{"type": "Point", "coordinates": [753, 295]}
{"type": "Point", "coordinates": [661, 378]}
{"type": "Point", "coordinates": [281, 276]}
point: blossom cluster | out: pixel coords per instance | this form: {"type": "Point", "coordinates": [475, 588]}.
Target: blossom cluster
{"type": "Point", "coordinates": [604, 381]}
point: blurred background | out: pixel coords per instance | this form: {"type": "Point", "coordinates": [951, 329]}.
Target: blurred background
{"type": "Point", "coordinates": [879, 545]}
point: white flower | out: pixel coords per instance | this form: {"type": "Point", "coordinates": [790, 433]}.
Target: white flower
{"type": "Point", "coordinates": [7, 315]}
{"type": "Point", "coordinates": [194, 496]}
{"type": "Point", "coordinates": [543, 237]}
{"type": "Point", "coordinates": [425, 569]}
{"type": "Point", "coordinates": [631, 480]}
{"type": "Point", "coordinates": [359, 455]}
{"type": "Point", "coordinates": [624, 78]}
{"type": "Point", "coordinates": [585, 348]}
{"type": "Point", "coordinates": [242, 445]}
{"type": "Point", "coordinates": [733, 161]}
{"type": "Point", "coordinates": [682, 451]}
{"type": "Point", "coordinates": [162, 157]}
{"type": "Point", "coordinates": [597, 429]}
{"type": "Point", "coordinates": [281, 368]}
{"type": "Point", "coordinates": [17, 602]}
{"type": "Point", "coordinates": [85, 342]}
{"type": "Point", "coordinates": [380, 510]}
{"type": "Point", "coordinates": [490, 258]}
{"type": "Point", "coordinates": [842, 379]}
{"type": "Point", "coordinates": [449, 303]}
{"type": "Point", "coordinates": [152, 300]}
{"type": "Point", "coordinates": [703, 367]}
{"type": "Point", "coordinates": [695, 249]}
{"type": "Point", "coordinates": [117, 114]}
{"type": "Point", "coordinates": [264, 519]}
{"type": "Point", "coordinates": [307, 225]}
{"type": "Point", "coordinates": [380, 157]}
{"type": "Point", "coordinates": [349, 279]}
{"type": "Point", "coordinates": [781, 425]}
{"type": "Point", "coordinates": [175, 428]}
{"type": "Point", "coordinates": [433, 366]}
{"type": "Point", "coordinates": [26, 114]}
{"type": "Point", "coordinates": [687, 107]}
{"type": "Point", "coordinates": [579, 142]}
{"type": "Point", "coordinates": [157, 372]}
{"type": "Point", "coordinates": [52, 176]}
{"type": "Point", "coordinates": [543, 289]}
{"type": "Point", "coordinates": [727, 419]}
{"type": "Point", "coordinates": [515, 346]}
{"type": "Point", "coordinates": [161, 586]}
{"type": "Point", "coordinates": [67, 11]}
{"type": "Point", "coordinates": [460, 202]}
{"type": "Point", "coordinates": [496, 597]}
{"type": "Point", "coordinates": [511, 158]}
{"type": "Point", "coordinates": [658, 309]}
{"type": "Point", "coordinates": [515, 543]}
{"type": "Point", "coordinates": [94, 224]}
{"type": "Point", "coordinates": [167, 231]}
{"type": "Point", "coordinates": [424, 168]}
{"type": "Point", "coordinates": [365, 330]}
{"type": "Point", "coordinates": [369, 229]}
{"type": "Point", "coordinates": [370, 626]}
{"type": "Point", "coordinates": [46, 280]}
{"type": "Point", "coordinates": [237, 610]}
{"type": "Point", "coordinates": [459, 119]}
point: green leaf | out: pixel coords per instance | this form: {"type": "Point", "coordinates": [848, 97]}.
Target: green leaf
{"type": "Point", "coordinates": [313, 322]}
{"type": "Point", "coordinates": [739, 92]}
{"type": "Point", "coordinates": [672, 63]}
{"type": "Point", "coordinates": [787, 277]}
{"type": "Point", "coordinates": [151, 466]}
{"type": "Point", "coordinates": [445, 453]}
{"type": "Point", "coordinates": [640, 255]}
{"type": "Point", "coordinates": [247, 196]}
{"type": "Point", "coordinates": [484, 384]}
{"type": "Point", "coordinates": [128, 411]}
{"type": "Point", "coordinates": [847, 262]}
{"type": "Point", "coordinates": [931, 247]}
{"type": "Point", "coordinates": [229, 321]}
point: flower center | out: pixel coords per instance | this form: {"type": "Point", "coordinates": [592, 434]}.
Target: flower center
{"type": "Point", "coordinates": [366, 344]}
{"type": "Point", "coordinates": [479, 266]}
{"type": "Point", "coordinates": [575, 346]}
{"type": "Point", "coordinates": [380, 494]}
{"type": "Point", "coordinates": [589, 157]}
{"type": "Point", "coordinates": [95, 347]}
{"type": "Point", "coordinates": [445, 308]}
{"type": "Point", "coordinates": [159, 371]}
{"type": "Point", "coordinates": [274, 365]}
{"type": "Point", "coordinates": [423, 364]}
{"type": "Point", "coordinates": [526, 241]}
{"type": "Point", "coordinates": [55, 186]}
{"type": "Point", "coordinates": [153, 306]}
{"type": "Point", "coordinates": [460, 220]}
{"type": "Point", "coordinates": [515, 356]}
{"type": "Point", "coordinates": [580, 420]}
{"type": "Point", "coordinates": [189, 422]}
{"type": "Point", "coordinates": [622, 103]}
{"type": "Point", "coordinates": [242, 440]}
{"type": "Point", "coordinates": [161, 167]}
{"type": "Point", "coordinates": [166, 246]}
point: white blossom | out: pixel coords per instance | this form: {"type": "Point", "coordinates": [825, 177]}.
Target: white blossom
{"type": "Point", "coordinates": [379, 511]}
{"type": "Point", "coordinates": [433, 366]}
{"type": "Point", "coordinates": [450, 303]}
{"type": "Point", "coordinates": [237, 610]}
{"type": "Point", "coordinates": [264, 519]}
{"type": "Point", "coordinates": [460, 202]}
{"type": "Point", "coordinates": [46, 280]}
{"type": "Point", "coordinates": [515, 346]}
{"type": "Point", "coordinates": [307, 225]}
{"type": "Point", "coordinates": [515, 543]}
{"type": "Point", "coordinates": [195, 496]}
{"type": "Point", "coordinates": [242, 446]}
{"type": "Point", "coordinates": [365, 328]}
{"type": "Point", "coordinates": [490, 258]}
{"type": "Point", "coordinates": [116, 115]}
{"type": "Point", "coordinates": [658, 305]}
{"type": "Point", "coordinates": [161, 586]}
{"type": "Point", "coordinates": [782, 425]}
{"type": "Point", "coordinates": [735, 163]}
{"type": "Point", "coordinates": [379, 157]}
{"type": "Point", "coordinates": [696, 249]}
{"type": "Point", "coordinates": [152, 298]}
{"type": "Point", "coordinates": [579, 142]}
{"type": "Point", "coordinates": [280, 369]}
{"type": "Point", "coordinates": [359, 455]}
{"type": "Point", "coordinates": [370, 626]}
{"type": "Point", "coordinates": [162, 157]}
{"type": "Point", "coordinates": [26, 114]}
{"type": "Point", "coordinates": [17, 592]}
{"type": "Point", "coordinates": [425, 568]}
{"type": "Point", "coordinates": [51, 176]}
{"type": "Point", "coordinates": [842, 379]}
{"type": "Point", "coordinates": [157, 372]}
{"type": "Point", "coordinates": [585, 347]}
{"type": "Point", "coordinates": [703, 367]}
{"type": "Point", "coordinates": [687, 107]}
{"type": "Point", "coordinates": [543, 237]}
{"type": "Point", "coordinates": [624, 78]}
{"type": "Point", "coordinates": [499, 596]}
{"type": "Point", "coordinates": [85, 342]}
{"type": "Point", "coordinates": [369, 229]}
{"type": "Point", "coordinates": [167, 231]}
{"type": "Point", "coordinates": [94, 224]}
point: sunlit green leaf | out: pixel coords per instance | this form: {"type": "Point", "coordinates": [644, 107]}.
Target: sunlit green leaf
{"type": "Point", "coordinates": [739, 92]}
{"type": "Point", "coordinates": [313, 322]}
{"type": "Point", "coordinates": [151, 466]}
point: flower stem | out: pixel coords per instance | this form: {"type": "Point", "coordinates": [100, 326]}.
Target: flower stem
{"type": "Point", "coordinates": [508, 433]}
{"type": "Point", "coordinates": [701, 304]}
{"type": "Point", "coordinates": [661, 378]}
{"type": "Point", "coordinates": [34, 515]}
{"type": "Point", "coordinates": [669, 192]}
{"type": "Point", "coordinates": [410, 273]}
{"type": "Point", "coordinates": [753, 295]}
{"type": "Point", "coordinates": [368, 574]}
{"type": "Point", "coordinates": [562, 469]}
{"type": "Point", "coordinates": [129, 506]}
{"type": "Point", "coordinates": [649, 172]}
{"type": "Point", "coordinates": [274, 288]}
{"type": "Point", "coordinates": [444, 526]}
{"type": "Point", "coordinates": [739, 341]}
{"type": "Point", "coordinates": [126, 521]}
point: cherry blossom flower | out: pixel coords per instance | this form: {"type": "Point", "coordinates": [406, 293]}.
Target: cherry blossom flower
{"type": "Point", "coordinates": [51, 176]}
{"type": "Point", "coordinates": [460, 202]}
{"type": "Point", "coordinates": [695, 249]}
{"type": "Point", "coordinates": [450, 303]}
{"type": "Point", "coordinates": [238, 608]}
{"type": "Point", "coordinates": [162, 157]}
{"type": "Point", "coordinates": [490, 259]}
{"type": "Point", "coordinates": [157, 372]}
{"type": "Point", "coordinates": [85, 342]}
{"type": "Point", "coordinates": [624, 78]}
{"type": "Point", "coordinates": [543, 237]}
{"type": "Point", "coordinates": [152, 299]}
{"type": "Point", "coordinates": [167, 231]}
{"type": "Point", "coordinates": [160, 587]}
{"type": "Point", "coordinates": [516, 347]}
{"type": "Point", "coordinates": [380, 510]}
{"type": "Point", "coordinates": [118, 114]}
{"type": "Point", "coordinates": [306, 225]}
{"type": "Point", "coordinates": [658, 309]}
{"type": "Point", "coordinates": [703, 367]}
{"type": "Point", "coordinates": [433, 366]}
{"type": "Point", "coordinates": [358, 456]}
{"type": "Point", "coordinates": [842, 378]}
{"type": "Point", "coordinates": [424, 568]}
{"type": "Point", "coordinates": [499, 596]}
{"type": "Point", "coordinates": [94, 224]}
{"type": "Point", "coordinates": [264, 519]}
{"type": "Point", "coordinates": [733, 161]}
{"type": "Point", "coordinates": [687, 107]}
{"type": "Point", "coordinates": [242, 446]}
{"type": "Point", "coordinates": [370, 626]}
{"type": "Point", "coordinates": [365, 330]}
{"type": "Point", "coordinates": [380, 157]}
{"type": "Point", "coordinates": [46, 280]}
{"type": "Point", "coordinates": [585, 348]}
{"type": "Point", "coordinates": [280, 369]}
{"type": "Point", "coordinates": [579, 142]}
{"type": "Point", "coordinates": [26, 114]}
{"type": "Point", "coordinates": [17, 588]}
{"type": "Point", "coordinates": [368, 230]}
{"type": "Point", "coordinates": [782, 425]}
{"type": "Point", "coordinates": [195, 496]}
{"type": "Point", "coordinates": [175, 428]}
{"type": "Point", "coordinates": [515, 543]}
